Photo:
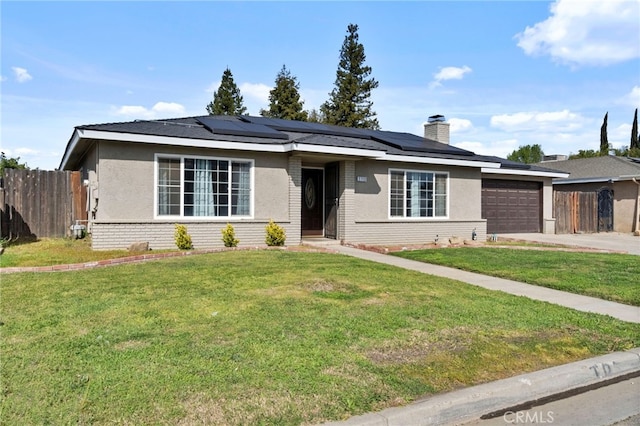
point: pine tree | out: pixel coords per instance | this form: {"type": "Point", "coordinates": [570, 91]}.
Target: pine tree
{"type": "Point", "coordinates": [635, 142]}
{"type": "Point", "coordinates": [284, 98]}
{"type": "Point", "coordinates": [349, 102]}
{"type": "Point", "coordinates": [315, 116]}
{"type": "Point", "coordinates": [227, 99]}
{"type": "Point", "coordinates": [604, 141]}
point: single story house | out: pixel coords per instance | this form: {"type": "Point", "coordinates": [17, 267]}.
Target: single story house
{"type": "Point", "coordinates": [614, 185]}
{"type": "Point", "coordinates": [353, 185]}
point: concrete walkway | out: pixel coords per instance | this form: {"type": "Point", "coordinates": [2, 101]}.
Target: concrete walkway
{"type": "Point", "coordinates": [575, 301]}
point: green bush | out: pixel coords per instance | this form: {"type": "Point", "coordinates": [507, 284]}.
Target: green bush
{"type": "Point", "coordinates": [275, 234]}
{"type": "Point", "coordinates": [183, 239]}
{"type": "Point", "coordinates": [229, 236]}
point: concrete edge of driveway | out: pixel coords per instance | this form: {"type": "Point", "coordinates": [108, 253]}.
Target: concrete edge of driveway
{"type": "Point", "coordinates": [508, 395]}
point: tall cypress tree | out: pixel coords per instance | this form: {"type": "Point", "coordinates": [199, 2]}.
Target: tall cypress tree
{"type": "Point", "coordinates": [604, 141]}
{"type": "Point", "coordinates": [227, 100]}
{"type": "Point", "coordinates": [635, 143]}
{"type": "Point", "coordinates": [284, 98]}
{"type": "Point", "coordinates": [349, 102]}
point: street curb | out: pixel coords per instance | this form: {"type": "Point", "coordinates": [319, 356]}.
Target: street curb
{"type": "Point", "coordinates": [512, 394]}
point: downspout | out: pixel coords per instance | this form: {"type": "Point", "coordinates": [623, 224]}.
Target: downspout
{"type": "Point", "coordinates": [636, 221]}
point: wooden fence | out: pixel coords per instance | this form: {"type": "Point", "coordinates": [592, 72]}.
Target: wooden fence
{"type": "Point", "coordinates": [576, 212]}
{"type": "Point", "coordinates": [40, 203]}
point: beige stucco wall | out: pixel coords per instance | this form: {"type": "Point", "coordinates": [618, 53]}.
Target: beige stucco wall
{"type": "Point", "coordinates": [368, 220]}
{"type": "Point", "coordinates": [126, 177]}
{"type": "Point", "coordinates": [372, 197]}
{"type": "Point", "coordinates": [124, 180]}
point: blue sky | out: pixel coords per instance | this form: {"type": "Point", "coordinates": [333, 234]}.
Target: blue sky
{"type": "Point", "coordinates": [504, 73]}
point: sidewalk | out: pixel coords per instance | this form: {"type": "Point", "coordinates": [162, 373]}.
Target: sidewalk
{"type": "Point", "coordinates": [575, 301]}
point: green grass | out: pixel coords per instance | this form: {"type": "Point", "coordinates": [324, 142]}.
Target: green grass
{"type": "Point", "coordinates": [604, 275]}
{"type": "Point", "coordinates": [56, 251]}
{"type": "Point", "coordinates": [266, 337]}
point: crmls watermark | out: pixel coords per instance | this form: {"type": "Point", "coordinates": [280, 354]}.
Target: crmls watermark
{"type": "Point", "coordinates": [528, 417]}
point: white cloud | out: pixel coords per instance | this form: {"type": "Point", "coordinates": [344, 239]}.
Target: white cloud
{"type": "Point", "coordinates": [159, 110]}
{"type": "Point", "coordinates": [21, 74]}
{"type": "Point", "coordinates": [532, 121]}
{"type": "Point", "coordinates": [258, 91]}
{"type": "Point", "coordinates": [506, 121]}
{"type": "Point", "coordinates": [449, 73]}
{"type": "Point", "coordinates": [132, 110]}
{"type": "Point", "coordinates": [459, 125]}
{"type": "Point", "coordinates": [586, 33]}
{"type": "Point", "coordinates": [168, 108]}
{"type": "Point", "coordinates": [3, 78]}
{"type": "Point", "coordinates": [632, 98]}
{"type": "Point", "coordinates": [500, 148]}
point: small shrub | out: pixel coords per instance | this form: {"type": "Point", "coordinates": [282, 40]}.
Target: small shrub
{"type": "Point", "coordinates": [183, 239]}
{"type": "Point", "coordinates": [275, 234]}
{"type": "Point", "coordinates": [229, 236]}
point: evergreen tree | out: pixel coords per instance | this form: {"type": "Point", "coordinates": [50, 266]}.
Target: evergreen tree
{"type": "Point", "coordinates": [635, 142]}
{"type": "Point", "coordinates": [604, 141]}
{"type": "Point", "coordinates": [315, 116]}
{"type": "Point", "coordinates": [227, 99]}
{"type": "Point", "coordinates": [349, 102]}
{"type": "Point", "coordinates": [284, 98]}
{"type": "Point", "coordinates": [527, 154]}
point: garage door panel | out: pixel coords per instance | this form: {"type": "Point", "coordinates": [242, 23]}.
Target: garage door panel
{"type": "Point", "coordinates": [511, 206]}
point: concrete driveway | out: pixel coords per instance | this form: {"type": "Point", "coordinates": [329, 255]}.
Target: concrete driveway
{"type": "Point", "coordinates": [601, 241]}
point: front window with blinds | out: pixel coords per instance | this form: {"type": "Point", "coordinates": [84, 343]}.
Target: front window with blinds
{"type": "Point", "coordinates": [416, 194]}
{"type": "Point", "coordinates": [203, 187]}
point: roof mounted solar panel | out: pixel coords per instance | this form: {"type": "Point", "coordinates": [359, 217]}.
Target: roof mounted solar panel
{"type": "Point", "coordinates": [240, 128]}
{"type": "Point", "coordinates": [307, 127]}
{"type": "Point", "coordinates": [515, 165]}
{"type": "Point", "coordinates": [415, 143]}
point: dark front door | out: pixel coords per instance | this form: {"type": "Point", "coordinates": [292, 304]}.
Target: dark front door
{"type": "Point", "coordinates": [605, 210]}
{"type": "Point", "coordinates": [331, 201]}
{"type": "Point", "coordinates": [312, 202]}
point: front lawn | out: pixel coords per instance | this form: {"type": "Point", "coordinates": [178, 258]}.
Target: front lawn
{"type": "Point", "coordinates": [266, 337]}
{"type": "Point", "coordinates": [57, 251]}
{"type": "Point", "coordinates": [605, 275]}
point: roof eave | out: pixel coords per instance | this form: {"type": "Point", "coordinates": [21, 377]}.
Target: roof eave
{"type": "Point", "coordinates": [517, 172]}
{"type": "Point", "coordinates": [71, 146]}
{"type": "Point", "coordinates": [440, 161]}
{"type": "Point", "coordinates": [601, 179]}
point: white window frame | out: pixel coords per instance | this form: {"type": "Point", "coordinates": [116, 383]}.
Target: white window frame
{"type": "Point", "coordinates": [404, 196]}
{"type": "Point", "coordinates": [181, 216]}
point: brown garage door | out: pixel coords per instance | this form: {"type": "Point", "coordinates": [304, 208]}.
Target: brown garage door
{"type": "Point", "coordinates": [511, 206]}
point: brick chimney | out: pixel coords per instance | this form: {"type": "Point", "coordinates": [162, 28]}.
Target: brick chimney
{"type": "Point", "coordinates": [436, 128]}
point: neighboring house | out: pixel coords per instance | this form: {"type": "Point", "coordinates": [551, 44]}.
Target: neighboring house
{"type": "Point", "coordinates": [354, 185]}
{"type": "Point", "coordinates": [599, 195]}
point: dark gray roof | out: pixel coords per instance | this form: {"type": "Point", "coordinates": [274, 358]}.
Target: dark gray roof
{"type": "Point", "coordinates": [597, 168]}
{"type": "Point", "coordinates": [250, 129]}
